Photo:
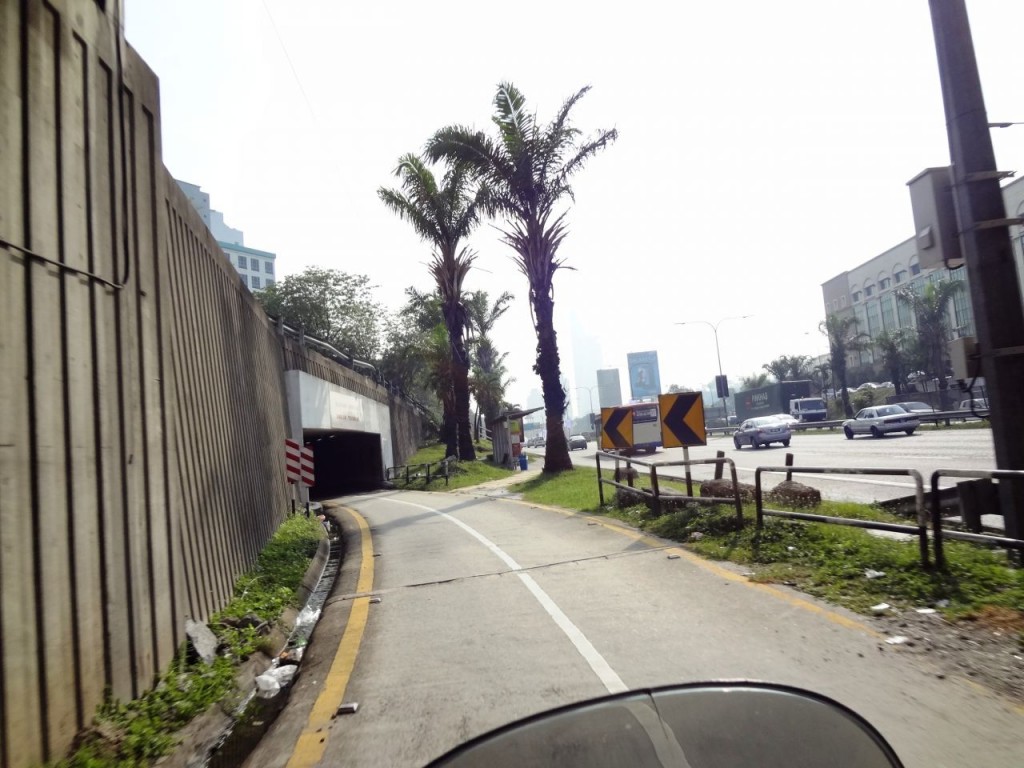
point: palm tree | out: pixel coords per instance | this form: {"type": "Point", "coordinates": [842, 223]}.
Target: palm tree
{"type": "Point", "coordinates": [489, 380]}
{"type": "Point", "coordinates": [443, 216]}
{"type": "Point", "coordinates": [931, 317]}
{"type": "Point", "coordinates": [527, 171]}
{"type": "Point", "coordinates": [790, 368]}
{"type": "Point", "coordinates": [842, 339]}
{"type": "Point", "coordinates": [489, 386]}
{"type": "Point", "coordinates": [895, 357]}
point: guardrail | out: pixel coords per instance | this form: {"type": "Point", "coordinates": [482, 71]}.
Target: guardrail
{"type": "Point", "coordinates": [977, 537]}
{"type": "Point", "coordinates": [920, 530]}
{"type": "Point", "coordinates": [413, 472]}
{"type": "Point", "coordinates": [803, 426]}
{"type": "Point", "coordinates": [655, 494]}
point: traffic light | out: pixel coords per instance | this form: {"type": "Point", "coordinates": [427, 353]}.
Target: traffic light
{"type": "Point", "coordinates": [722, 386]}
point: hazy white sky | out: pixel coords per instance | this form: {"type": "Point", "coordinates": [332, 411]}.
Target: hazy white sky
{"type": "Point", "coordinates": [764, 147]}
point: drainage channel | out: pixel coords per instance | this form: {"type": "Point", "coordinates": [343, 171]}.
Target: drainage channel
{"type": "Point", "coordinates": [255, 716]}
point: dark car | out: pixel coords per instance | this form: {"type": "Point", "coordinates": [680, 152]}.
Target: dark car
{"type": "Point", "coordinates": [880, 420]}
{"type": "Point", "coordinates": [577, 442]}
{"type": "Point", "coordinates": [762, 430]}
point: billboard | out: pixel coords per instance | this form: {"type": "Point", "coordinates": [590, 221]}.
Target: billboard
{"type": "Point", "coordinates": [644, 377]}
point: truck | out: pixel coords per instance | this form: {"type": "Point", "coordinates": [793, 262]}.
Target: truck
{"type": "Point", "coordinates": [774, 399]}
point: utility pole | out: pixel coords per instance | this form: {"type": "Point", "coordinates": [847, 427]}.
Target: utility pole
{"type": "Point", "coordinates": [986, 247]}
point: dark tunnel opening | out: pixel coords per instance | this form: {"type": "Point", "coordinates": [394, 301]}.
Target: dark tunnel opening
{"type": "Point", "coordinates": [344, 462]}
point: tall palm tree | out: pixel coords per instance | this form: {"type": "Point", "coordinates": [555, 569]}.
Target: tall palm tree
{"type": "Point", "coordinates": [931, 316]}
{"type": "Point", "coordinates": [443, 216]}
{"type": "Point", "coordinates": [527, 171]}
{"type": "Point", "coordinates": [842, 339]}
{"type": "Point", "coordinates": [895, 356]}
{"type": "Point", "coordinates": [489, 375]}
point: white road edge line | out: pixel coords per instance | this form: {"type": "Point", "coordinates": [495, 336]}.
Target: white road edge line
{"type": "Point", "coordinates": [608, 677]}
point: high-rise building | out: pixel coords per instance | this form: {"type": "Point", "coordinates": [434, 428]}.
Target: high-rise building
{"type": "Point", "coordinates": [609, 388]}
{"type": "Point", "coordinates": [256, 268]}
{"type": "Point", "coordinates": [868, 291]}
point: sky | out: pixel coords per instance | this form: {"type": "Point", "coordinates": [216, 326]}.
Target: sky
{"type": "Point", "coordinates": [764, 148]}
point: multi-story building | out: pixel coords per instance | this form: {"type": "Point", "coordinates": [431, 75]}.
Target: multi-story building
{"type": "Point", "coordinates": [256, 268]}
{"type": "Point", "coordinates": [868, 291]}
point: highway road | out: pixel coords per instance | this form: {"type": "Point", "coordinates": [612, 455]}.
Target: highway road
{"type": "Point", "coordinates": [491, 609]}
{"type": "Point", "coordinates": [925, 451]}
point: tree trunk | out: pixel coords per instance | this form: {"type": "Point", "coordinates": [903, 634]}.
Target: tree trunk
{"type": "Point", "coordinates": [449, 431]}
{"type": "Point", "coordinates": [460, 376]}
{"type": "Point", "coordinates": [556, 452]}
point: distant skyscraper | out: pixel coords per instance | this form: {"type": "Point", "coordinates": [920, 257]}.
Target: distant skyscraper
{"type": "Point", "coordinates": [586, 359]}
{"type": "Point", "coordinates": [609, 390]}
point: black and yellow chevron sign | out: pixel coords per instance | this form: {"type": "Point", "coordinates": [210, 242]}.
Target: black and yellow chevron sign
{"type": "Point", "coordinates": [682, 420]}
{"type": "Point", "coordinates": [616, 428]}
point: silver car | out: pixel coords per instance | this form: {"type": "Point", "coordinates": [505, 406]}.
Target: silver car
{"type": "Point", "coordinates": [577, 442]}
{"type": "Point", "coordinates": [880, 420]}
{"type": "Point", "coordinates": [761, 430]}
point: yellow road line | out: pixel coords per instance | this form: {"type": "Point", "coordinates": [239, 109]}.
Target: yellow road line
{"type": "Point", "coordinates": [309, 749]}
{"type": "Point", "coordinates": [725, 573]}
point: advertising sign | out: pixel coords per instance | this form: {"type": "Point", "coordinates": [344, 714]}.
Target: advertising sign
{"type": "Point", "coordinates": [644, 377]}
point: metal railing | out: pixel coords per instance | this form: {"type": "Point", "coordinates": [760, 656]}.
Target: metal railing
{"type": "Point", "coordinates": [413, 472]}
{"type": "Point", "coordinates": [977, 537]}
{"type": "Point", "coordinates": [655, 494]}
{"type": "Point", "coordinates": [920, 530]}
{"type": "Point", "coordinates": [803, 426]}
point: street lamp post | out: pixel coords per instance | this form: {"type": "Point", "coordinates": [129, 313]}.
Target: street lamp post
{"type": "Point", "coordinates": [590, 397]}
{"type": "Point", "coordinates": [718, 351]}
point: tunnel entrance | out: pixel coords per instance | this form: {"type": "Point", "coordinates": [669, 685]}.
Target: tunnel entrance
{"type": "Point", "coordinates": [344, 462]}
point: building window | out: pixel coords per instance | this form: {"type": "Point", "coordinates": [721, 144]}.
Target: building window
{"type": "Point", "coordinates": [270, 281]}
{"type": "Point", "coordinates": [900, 276]}
{"type": "Point", "coordinates": [868, 290]}
{"type": "Point", "coordinates": [254, 264]}
{"type": "Point", "coordinates": [243, 263]}
{"type": "Point", "coordinates": [256, 283]}
{"type": "Point", "coordinates": [855, 296]}
{"type": "Point", "coordinates": [268, 267]}
{"type": "Point", "coordinates": [884, 283]}
{"type": "Point", "coordinates": [915, 269]}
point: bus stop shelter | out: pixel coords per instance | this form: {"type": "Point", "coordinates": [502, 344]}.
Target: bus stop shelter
{"type": "Point", "coordinates": [507, 437]}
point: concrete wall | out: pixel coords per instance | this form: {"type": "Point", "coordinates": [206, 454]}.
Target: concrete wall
{"type": "Point", "coordinates": [141, 390]}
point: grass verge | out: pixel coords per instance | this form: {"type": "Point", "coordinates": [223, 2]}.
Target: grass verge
{"type": "Point", "coordinates": [464, 473]}
{"type": "Point", "coordinates": [828, 561]}
{"type": "Point", "coordinates": [138, 732]}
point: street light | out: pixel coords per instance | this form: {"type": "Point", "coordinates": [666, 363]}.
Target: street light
{"type": "Point", "coordinates": [718, 352]}
{"type": "Point", "coordinates": [590, 398]}
{"type": "Point", "coordinates": [1003, 125]}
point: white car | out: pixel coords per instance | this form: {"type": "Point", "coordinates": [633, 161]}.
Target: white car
{"type": "Point", "coordinates": [977, 404]}
{"type": "Point", "coordinates": [880, 420]}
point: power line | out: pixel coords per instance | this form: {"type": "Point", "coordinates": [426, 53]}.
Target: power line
{"type": "Point", "coordinates": [288, 58]}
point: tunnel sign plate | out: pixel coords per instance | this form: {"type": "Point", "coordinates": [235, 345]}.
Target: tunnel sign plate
{"type": "Point", "coordinates": [298, 463]}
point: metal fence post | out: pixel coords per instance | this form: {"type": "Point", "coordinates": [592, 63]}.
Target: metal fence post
{"type": "Point", "coordinates": [654, 489]}
{"type": "Point", "coordinates": [719, 465]}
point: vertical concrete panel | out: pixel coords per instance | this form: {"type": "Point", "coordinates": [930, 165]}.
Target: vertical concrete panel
{"type": "Point", "coordinates": [110, 260]}
{"type": "Point", "coordinates": [20, 737]}
{"type": "Point", "coordinates": [47, 404]}
{"type": "Point", "coordinates": [80, 507]}
{"type": "Point", "coordinates": [182, 399]}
